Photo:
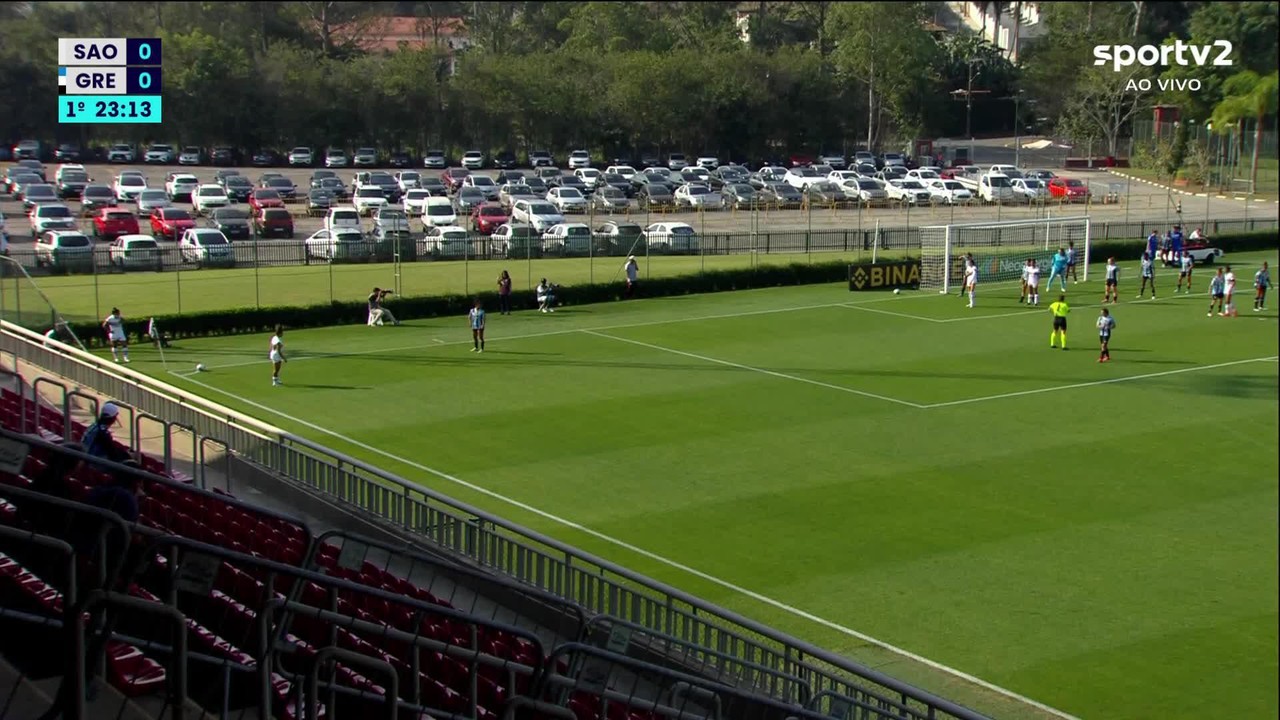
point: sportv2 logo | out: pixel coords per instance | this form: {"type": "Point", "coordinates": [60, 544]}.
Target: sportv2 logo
{"type": "Point", "coordinates": [1123, 56]}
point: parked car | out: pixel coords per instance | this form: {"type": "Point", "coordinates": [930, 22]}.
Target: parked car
{"type": "Point", "coordinates": [697, 196]}
{"type": "Point", "coordinates": [265, 198]}
{"type": "Point", "coordinates": [283, 185]}
{"type": "Point", "coordinates": [335, 158]}
{"type": "Point", "coordinates": [390, 222]}
{"type": "Point", "coordinates": [365, 157]}
{"type": "Point", "coordinates": [484, 184]}
{"type": "Point", "coordinates": [128, 185]}
{"type": "Point", "coordinates": [739, 195]}
{"type": "Point", "coordinates": [170, 222]}
{"type": "Point", "coordinates": [121, 153]}
{"type": "Point", "coordinates": [135, 252]}
{"type": "Point", "coordinates": [238, 188]}
{"type": "Point", "coordinates": [206, 247]}
{"type": "Point", "coordinates": [266, 158]}
{"type": "Point", "coordinates": [541, 158]}
{"type": "Point", "coordinates": [414, 202]}
{"type": "Point", "coordinates": [579, 159]}
{"type": "Point", "coordinates": [567, 239]}
{"type": "Point", "coordinates": [1044, 175]}
{"type": "Point", "coordinates": [332, 185]}
{"type": "Point", "coordinates": [541, 215]}
{"type": "Point", "coordinates": [209, 197]}
{"type": "Point", "coordinates": [1030, 189]}
{"type": "Point", "coordinates": [510, 177]}
{"type": "Point", "coordinates": [1068, 189]}
{"type": "Point", "coordinates": [909, 191]}
{"type": "Point", "coordinates": [340, 245]}
{"type": "Point", "coordinates": [343, 217]}
{"type": "Point", "coordinates": [64, 251]}
{"type": "Point", "coordinates": [800, 177]}
{"type": "Point", "coordinates": [178, 187]}
{"type": "Point", "coordinates": [190, 155]}
{"type": "Point", "coordinates": [837, 162]}
{"type": "Point", "coordinates": [625, 171]}
{"type": "Point", "coordinates": [439, 211]}
{"type": "Point", "coordinates": [111, 223]}
{"type": "Point", "coordinates": [234, 222]}
{"type": "Point", "coordinates": [567, 200]}
{"type": "Point", "coordinates": [671, 237]}
{"type": "Point", "coordinates": [407, 180]}
{"type": "Point", "coordinates": [453, 178]}
{"type": "Point", "coordinates": [516, 240]}
{"type": "Point", "coordinates": [949, 192]}
{"type": "Point", "coordinates": [319, 201]}
{"type": "Point", "coordinates": [273, 222]}
{"type": "Point", "coordinates": [301, 157]}
{"type": "Point", "coordinates": [677, 161]}
{"type": "Point", "coordinates": [222, 156]}
{"type": "Point", "coordinates": [71, 183]}
{"type": "Point", "coordinates": [95, 198]}
{"type": "Point", "coordinates": [504, 160]}
{"type": "Point", "coordinates": [467, 199]}
{"type": "Point", "coordinates": [473, 160]}
{"type": "Point", "coordinates": [159, 155]}
{"type": "Point", "coordinates": [149, 200]}
{"type": "Point", "coordinates": [708, 162]}
{"type": "Point", "coordinates": [51, 216]}
{"type": "Point", "coordinates": [399, 159]}
{"type": "Point", "coordinates": [590, 177]}
{"type": "Point", "coordinates": [435, 160]}
{"type": "Point", "coordinates": [487, 218]}
{"type": "Point", "coordinates": [866, 191]}
{"type": "Point", "coordinates": [655, 195]}
{"type": "Point", "coordinates": [780, 194]}
{"type": "Point", "coordinates": [826, 193]}
{"type": "Point", "coordinates": [617, 237]}
{"type": "Point", "coordinates": [609, 199]}
{"type": "Point", "coordinates": [449, 241]}
{"type": "Point", "coordinates": [509, 193]}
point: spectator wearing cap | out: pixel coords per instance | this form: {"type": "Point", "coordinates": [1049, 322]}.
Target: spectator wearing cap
{"type": "Point", "coordinates": [97, 439]}
{"type": "Point", "coordinates": [633, 275]}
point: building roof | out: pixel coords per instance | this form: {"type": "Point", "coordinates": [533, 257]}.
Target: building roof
{"type": "Point", "coordinates": [387, 33]}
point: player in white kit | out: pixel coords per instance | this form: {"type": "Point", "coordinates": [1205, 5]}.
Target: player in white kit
{"type": "Point", "coordinates": [277, 354]}
{"type": "Point", "coordinates": [114, 327]}
{"type": "Point", "coordinates": [971, 281]}
{"type": "Point", "coordinates": [1033, 283]}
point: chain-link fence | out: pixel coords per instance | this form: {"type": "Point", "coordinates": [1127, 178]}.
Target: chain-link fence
{"type": "Point", "coordinates": [1220, 159]}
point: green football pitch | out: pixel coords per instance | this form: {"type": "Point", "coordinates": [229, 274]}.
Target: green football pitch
{"type": "Point", "coordinates": [1101, 538]}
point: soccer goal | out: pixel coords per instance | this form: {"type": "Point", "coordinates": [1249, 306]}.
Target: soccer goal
{"type": "Point", "coordinates": [1000, 249]}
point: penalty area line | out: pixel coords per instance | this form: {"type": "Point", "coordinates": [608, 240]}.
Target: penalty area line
{"type": "Point", "coordinates": [675, 564]}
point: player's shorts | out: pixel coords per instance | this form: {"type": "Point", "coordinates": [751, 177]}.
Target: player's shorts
{"type": "Point", "coordinates": [1111, 283]}
{"type": "Point", "coordinates": [1104, 336]}
{"type": "Point", "coordinates": [1070, 265]}
{"type": "Point", "coordinates": [276, 356]}
{"type": "Point", "coordinates": [1219, 296]}
{"type": "Point", "coordinates": [1262, 290]}
{"type": "Point", "coordinates": [1184, 273]}
{"type": "Point", "coordinates": [1033, 285]}
{"type": "Point", "coordinates": [118, 337]}
{"type": "Point", "coordinates": [1059, 323]}
{"type": "Point", "coordinates": [1149, 277]}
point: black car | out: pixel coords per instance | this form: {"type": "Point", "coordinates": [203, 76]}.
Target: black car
{"type": "Point", "coordinates": [575, 182]}
{"type": "Point", "coordinates": [390, 188]}
{"type": "Point", "coordinates": [640, 181]}
{"type": "Point", "coordinates": [537, 185]}
{"type": "Point", "coordinates": [319, 175]}
{"type": "Point", "coordinates": [825, 193]}
{"type": "Point", "coordinates": [400, 160]}
{"type": "Point", "coordinates": [780, 193]}
{"type": "Point", "coordinates": [509, 176]}
{"type": "Point", "coordinates": [238, 187]}
{"type": "Point", "coordinates": [504, 160]}
{"type": "Point", "coordinates": [266, 158]}
{"type": "Point", "coordinates": [319, 201]}
{"type": "Point", "coordinates": [282, 185]}
{"type": "Point", "coordinates": [222, 156]}
{"type": "Point", "coordinates": [650, 159]}
{"type": "Point", "coordinates": [231, 221]}
{"type": "Point", "coordinates": [332, 185]}
{"type": "Point", "coordinates": [655, 195]}
{"type": "Point", "coordinates": [617, 182]}
{"type": "Point", "coordinates": [67, 152]}
{"type": "Point", "coordinates": [739, 195]}
{"type": "Point", "coordinates": [95, 197]}
{"type": "Point", "coordinates": [72, 184]}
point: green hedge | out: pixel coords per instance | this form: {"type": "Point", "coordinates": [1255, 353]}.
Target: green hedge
{"type": "Point", "coordinates": [257, 320]}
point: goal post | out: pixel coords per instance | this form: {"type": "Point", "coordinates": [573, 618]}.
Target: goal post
{"type": "Point", "coordinates": [1000, 249]}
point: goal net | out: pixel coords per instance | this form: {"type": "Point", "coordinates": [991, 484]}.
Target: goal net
{"type": "Point", "coordinates": [22, 302]}
{"type": "Point", "coordinates": [1000, 249]}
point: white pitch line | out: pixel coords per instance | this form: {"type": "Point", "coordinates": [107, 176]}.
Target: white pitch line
{"type": "Point", "coordinates": [890, 312]}
{"type": "Point", "coordinates": [762, 371]}
{"type": "Point", "coordinates": [764, 599]}
{"type": "Point", "coordinates": [1095, 383]}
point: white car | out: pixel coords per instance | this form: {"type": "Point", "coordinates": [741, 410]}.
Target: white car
{"type": "Point", "coordinates": [484, 184]}
{"type": "Point", "coordinates": [677, 161]}
{"type": "Point", "coordinates": [368, 198]}
{"type": "Point", "coordinates": [335, 245]}
{"type": "Point", "coordinates": [924, 175]}
{"type": "Point", "coordinates": [891, 159]}
{"type": "Point", "coordinates": [438, 212]}
{"type": "Point", "coordinates": [800, 177]}
{"type": "Point", "coordinates": [121, 154]}
{"type": "Point", "coordinates": [189, 156]}
{"type": "Point", "coordinates": [335, 159]}
{"type": "Point", "coordinates": [671, 237]}
{"type": "Point", "coordinates": [473, 160]}
{"type": "Point", "coordinates": [206, 246]}
{"type": "Point", "coordinates": [408, 180]}
{"type": "Point", "coordinates": [539, 214]}
{"type": "Point", "coordinates": [567, 200]}
{"type": "Point", "coordinates": [840, 176]}
{"type": "Point", "coordinates": [181, 186]}
{"type": "Point", "coordinates": [567, 238]}
{"type": "Point", "coordinates": [66, 168]}
{"type": "Point", "coordinates": [161, 154]}
{"type": "Point", "coordinates": [415, 201]}
{"type": "Point", "coordinates": [209, 197]}
{"type": "Point", "coordinates": [1010, 171]}
{"type": "Point", "coordinates": [301, 157]}
{"type": "Point", "coordinates": [625, 171]}
{"type": "Point", "coordinates": [447, 241]}
{"type": "Point", "coordinates": [837, 162]}
{"type": "Point", "coordinates": [579, 159]}
{"type": "Point", "coordinates": [1030, 189]}
{"type": "Point", "coordinates": [949, 192]}
{"type": "Point", "coordinates": [708, 162]}
{"type": "Point", "coordinates": [149, 200]}
{"type": "Point", "coordinates": [128, 252]}
{"type": "Point", "coordinates": [589, 177]}
{"type": "Point", "coordinates": [343, 217]}
{"type": "Point", "coordinates": [51, 216]}
{"type": "Point", "coordinates": [128, 185]}
{"type": "Point", "coordinates": [697, 196]}
{"type": "Point", "coordinates": [909, 191]}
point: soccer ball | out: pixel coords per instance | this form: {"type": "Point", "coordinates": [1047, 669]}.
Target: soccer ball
{"type": "Point", "coordinates": [897, 291]}
{"type": "Point", "coordinates": [200, 367]}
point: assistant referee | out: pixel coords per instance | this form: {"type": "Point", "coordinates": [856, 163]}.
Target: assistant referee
{"type": "Point", "coordinates": [1059, 311]}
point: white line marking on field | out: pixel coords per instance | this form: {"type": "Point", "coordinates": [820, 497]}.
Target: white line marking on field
{"type": "Point", "coordinates": [1095, 383]}
{"type": "Point", "coordinates": [438, 340]}
{"type": "Point", "coordinates": [908, 316]}
{"type": "Point", "coordinates": [762, 371]}
{"type": "Point", "coordinates": [764, 599]}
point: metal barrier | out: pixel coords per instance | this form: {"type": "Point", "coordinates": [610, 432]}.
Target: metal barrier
{"type": "Point", "coordinates": [598, 585]}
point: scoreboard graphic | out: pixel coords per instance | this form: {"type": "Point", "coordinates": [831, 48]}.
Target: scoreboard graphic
{"type": "Point", "coordinates": [109, 81]}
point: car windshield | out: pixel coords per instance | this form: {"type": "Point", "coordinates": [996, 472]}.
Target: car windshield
{"type": "Point", "coordinates": [334, 153]}
{"type": "Point", "coordinates": [301, 150]}
{"type": "Point", "coordinates": [682, 230]}
{"type": "Point", "coordinates": [998, 181]}
{"type": "Point", "coordinates": [97, 191]}
{"type": "Point", "coordinates": [132, 180]}
{"type": "Point", "coordinates": [346, 216]}
{"type": "Point", "coordinates": [417, 194]}
{"type": "Point", "coordinates": [807, 172]}
{"type": "Point", "coordinates": [121, 147]}
{"type": "Point", "coordinates": [74, 241]}
{"type": "Point", "coordinates": [365, 151]}
{"type": "Point", "coordinates": [280, 182]}
{"type": "Point", "coordinates": [1033, 184]}
{"type": "Point", "coordinates": [580, 153]}
{"type": "Point", "coordinates": [275, 214]}
{"type": "Point", "coordinates": [160, 148]}
{"type": "Point", "coordinates": [238, 181]}
{"type": "Point", "coordinates": [577, 230]}
{"type": "Point", "coordinates": [912, 185]}
{"type": "Point", "coordinates": [610, 192]}
{"type": "Point", "coordinates": [742, 189]}
{"type": "Point", "coordinates": [75, 177]}
{"type": "Point", "coordinates": [141, 243]}
{"type": "Point", "coordinates": [455, 235]}
{"type": "Point", "coordinates": [952, 185]}
{"type": "Point", "coordinates": [391, 214]}
{"type": "Point", "coordinates": [470, 193]}
{"type": "Point", "coordinates": [409, 176]}
{"type": "Point", "coordinates": [176, 215]}
{"type": "Point", "coordinates": [119, 216]}
{"type": "Point", "coordinates": [55, 211]}
{"type": "Point", "coordinates": [823, 187]}
{"type": "Point", "coordinates": [211, 192]}
{"type": "Point", "coordinates": [471, 154]}
{"type": "Point", "coordinates": [570, 193]}
{"type": "Point", "coordinates": [441, 210]}
{"type": "Point", "coordinates": [699, 189]}
{"type": "Point", "coordinates": [868, 185]}
{"type": "Point", "coordinates": [210, 238]}
{"type": "Point", "coordinates": [481, 180]}
{"type": "Point", "coordinates": [226, 214]}
{"type": "Point", "coordinates": [348, 237]}
{"type": "Point", "coordinates": [1075, 183]}
{"type": "Point", "coordinates": [542, 209]}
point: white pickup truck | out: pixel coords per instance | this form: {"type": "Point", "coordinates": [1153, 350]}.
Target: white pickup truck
{"type": "Point", "coordinates": [990, 187]}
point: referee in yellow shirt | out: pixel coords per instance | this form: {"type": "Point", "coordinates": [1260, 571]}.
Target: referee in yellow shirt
{"type": "Point", "coordinates": [1059, 311]}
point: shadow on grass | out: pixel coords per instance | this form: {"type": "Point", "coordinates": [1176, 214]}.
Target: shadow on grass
{"type": "Point", "coordinates": [313, 386]}
{"type": "Point", "coordinates": [1235, 386]}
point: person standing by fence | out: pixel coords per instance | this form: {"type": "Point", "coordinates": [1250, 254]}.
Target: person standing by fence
{"type": "Point", "coordinates": [504, 293]}
{"type": "Point", "coordinates": [633, 275]}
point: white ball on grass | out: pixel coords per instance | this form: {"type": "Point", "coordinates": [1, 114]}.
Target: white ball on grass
{"type": "Point", "coordinates": [200, 367]}
{"type": "Point", "coordinates": [897, 291]}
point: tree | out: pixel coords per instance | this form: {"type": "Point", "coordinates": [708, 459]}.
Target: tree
{"type": "Point", "coordinates": [1251, 28]}
{"type": "Point", "coordinates": [1249, 96]}
{"type": "Point", "coordinates": [1103, 104]}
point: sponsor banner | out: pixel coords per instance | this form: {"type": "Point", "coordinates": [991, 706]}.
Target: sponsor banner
{"type": "Point", "coordinates": [884, 276]}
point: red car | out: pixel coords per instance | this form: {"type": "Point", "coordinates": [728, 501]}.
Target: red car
{"type": "Point", "coordinates": [170, 222]}
{"type": "Point", "coordinates": [453, 177]}
{"type": "Point", "coordinates": [110, 223]}
{"type": "Point", "coordinates": [269, 222]}
{"type": "Point", "coordinates": [1068, 189]}
{"type": "Point", "coordinates": [263, 198]}
{"type": "Point", "coordinates": [486, 218]}
{"type": "Point", "coordinates": [801, 160]}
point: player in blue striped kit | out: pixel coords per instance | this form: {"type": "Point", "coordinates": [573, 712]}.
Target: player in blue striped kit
{"type": "Point", "coordinates": [1186, 264]}
{"type": "Point", "coordinates": [476, 318]}
{"type": "Point", "coordinates": [1148, 275]}
{"type": "Point", "coordinates": [1261, 283]}
{"type": "Point", "coordinates": [1106, 324]}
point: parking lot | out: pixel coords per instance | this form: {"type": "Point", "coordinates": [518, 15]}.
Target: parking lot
{"type": "Point", "coordinates": [1131, 202]}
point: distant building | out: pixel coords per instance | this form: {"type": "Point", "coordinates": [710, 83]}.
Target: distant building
{"type": "Point", "coordinates": [1016, 22]}
{"type": "Point", "coordinates": [387, 34]}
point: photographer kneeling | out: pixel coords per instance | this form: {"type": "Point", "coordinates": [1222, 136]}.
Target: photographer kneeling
{"type": "Point", "coordinates": [378, 313]}
{"type": "Point", "coordinates": [546, 293]}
